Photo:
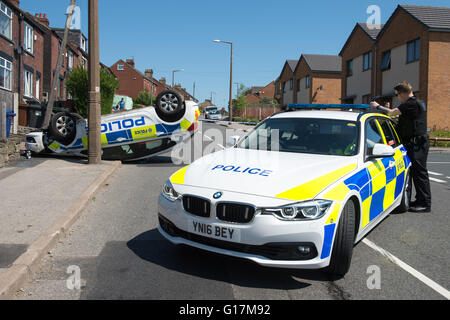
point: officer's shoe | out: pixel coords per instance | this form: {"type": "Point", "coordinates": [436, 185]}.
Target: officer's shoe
{"type": "Point", "coordinates": [420, 209]}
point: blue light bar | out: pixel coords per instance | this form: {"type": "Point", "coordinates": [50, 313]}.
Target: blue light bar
{"type": "Point", "coordinates": [330, 106]}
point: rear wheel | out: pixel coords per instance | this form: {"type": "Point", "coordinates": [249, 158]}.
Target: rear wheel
{"type": "Point", "coordinates": [341, 256]}
{"type": "Point", "coordinates": [63, 127]}
{"type": "Point", "coordinates": [170, 106]}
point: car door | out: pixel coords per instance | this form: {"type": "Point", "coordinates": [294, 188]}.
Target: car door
{"type": "Point", "coordinates": [395, 166]}
{"type": "Point", "coordinates": [374, 195]}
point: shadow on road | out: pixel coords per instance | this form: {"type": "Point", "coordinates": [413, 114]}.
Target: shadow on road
{"type": "Point", "coordinates": [207, 265]}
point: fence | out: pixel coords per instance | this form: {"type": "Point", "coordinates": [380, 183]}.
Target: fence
{"type": "Point", "coordinates": [259, 111]}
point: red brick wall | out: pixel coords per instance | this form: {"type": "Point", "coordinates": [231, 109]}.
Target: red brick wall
{"type": "Point", "coordinates": [331, 88]}
{"type": "Point", "coordinates": [439, 81]}
{"type": "Point", "coordinates": [131, 83]}
{"type": "Point", "coordinates": [300, 72]}
{"type": "Point", "coordinates": [285, 77]}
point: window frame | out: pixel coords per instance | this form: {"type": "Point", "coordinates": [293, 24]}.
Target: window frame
{"type": "Point", "coordinates": [396, 143]}
{"type": "Point", "coordinates": [308, 82]}
{"type": "Point", "coordinates": [120, 67]}
{"type": "Point", "coordinates": [8, 13]}
{"type": "Point", "coordinates": [349, 71]}
{"type": "Point", "coordinates": [30, 88]}
{"type": "Point", "coordinates": [70, 60]}
{"type": "Point", "coordinates": [10, 70]}
{"type": "Point", "coordinates": [385, 53]}
{"type": "Point", "coordinates": [28, 37]}
{"type": "Point", "coordinates": [369, 62]}
{"type": "Point", "coordinates": [366, 155]}
{"type": "Point", "coordinates": [416, 50]}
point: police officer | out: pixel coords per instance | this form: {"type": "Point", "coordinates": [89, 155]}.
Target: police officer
{"type": "Point", "coordinates": [412, 128]}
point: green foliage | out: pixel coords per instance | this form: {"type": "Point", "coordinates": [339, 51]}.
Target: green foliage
{"type": "Point", "coordinates": [240, 103]}
{"type": "Point", "coordinates": [77, 84]}
{"type": "Point", "coordinates": [145, 98]}
{"type": "Point", "coordinates": [440, 134]}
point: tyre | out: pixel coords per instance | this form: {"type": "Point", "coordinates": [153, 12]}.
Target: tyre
{"type": "Point", "coordinates": [406, 197]}
{"type": "Point", "coordinates": [170, 106]}
{"type": "Point", "coordinates": [63, 127]}
{"type": "Point", "coordinates": [341, 256]}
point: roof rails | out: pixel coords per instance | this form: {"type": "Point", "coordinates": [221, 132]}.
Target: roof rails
{"type": "Point", "coordinates": [356, 107]}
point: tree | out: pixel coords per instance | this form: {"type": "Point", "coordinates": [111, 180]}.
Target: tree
{"type": "Point", "coordinates": [145, 98]}
{"type": "Point", "coordinates": [240, 103]}
{"type": "Point", "coordinates": [78, 87]}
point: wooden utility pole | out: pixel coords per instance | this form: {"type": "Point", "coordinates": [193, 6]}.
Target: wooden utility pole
{"type": "Point", "coordinates": [94, 131]}
{"type": "Point", "coordinates": [61, 56]}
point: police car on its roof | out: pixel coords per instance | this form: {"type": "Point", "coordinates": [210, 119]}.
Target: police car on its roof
{"type": "Point", "coordinates": [297, 192]}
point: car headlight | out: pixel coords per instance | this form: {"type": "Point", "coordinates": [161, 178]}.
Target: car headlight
{"type": "Point", "coordinates": [169, 192]}
{"type": "Point", "coordinates": [311, 210]}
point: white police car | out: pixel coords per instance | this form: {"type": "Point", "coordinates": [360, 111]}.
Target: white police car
{"type": "Point", "coordinates": [297, 192]}
{"type": "Point", "coordinates": [131, 135]}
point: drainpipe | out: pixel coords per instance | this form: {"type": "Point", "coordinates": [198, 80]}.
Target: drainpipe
{"type": "Point", "coordinates": [375, 72]}
{"type": "Point", "coordinates": [20, 52]}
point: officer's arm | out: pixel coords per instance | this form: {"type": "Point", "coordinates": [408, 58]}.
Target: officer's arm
{"type": "Point", "coordinates": [390, 112]}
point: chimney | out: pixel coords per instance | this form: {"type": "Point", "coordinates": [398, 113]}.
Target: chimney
{"type": "Point", "coordinates": [162, 80]}
{"type": "Point", "coordinates": [42, 18]}
{"type": "Point", "coordinates": [149, 73]}
{"type": "Point", "coordinates": [131, 62]}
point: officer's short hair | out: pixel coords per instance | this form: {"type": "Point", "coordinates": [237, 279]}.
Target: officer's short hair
{"type": "Point", "coordinates": [404, 87]}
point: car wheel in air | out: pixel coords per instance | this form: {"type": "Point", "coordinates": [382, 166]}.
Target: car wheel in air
{"type": "Point", "coordinates": [170, 106]}
{"type": "Point", "coordinates": [63, 127]}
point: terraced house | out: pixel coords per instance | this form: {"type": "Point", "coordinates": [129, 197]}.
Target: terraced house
{"type": "Point", "coordinates": [286, 81]}
{"type": "Point", "coordinates": [317, 79]}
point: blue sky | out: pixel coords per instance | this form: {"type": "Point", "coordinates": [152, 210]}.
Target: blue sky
{"type": "Point", "coordinates": [179, 34]}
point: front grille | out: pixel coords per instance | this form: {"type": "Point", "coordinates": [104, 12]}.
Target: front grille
{"type": "Point", "coordinates": [237, 213]}
{"type": "Point", "coordinates": [274, 251]}
{"type": "Point", "coordinates": [197, 206]}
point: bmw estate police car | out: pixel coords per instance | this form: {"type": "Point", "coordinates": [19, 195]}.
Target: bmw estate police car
{"type": "Point", "coordinates": [299, 201]}
{"type": "Point", "coordinates": [131, 135]}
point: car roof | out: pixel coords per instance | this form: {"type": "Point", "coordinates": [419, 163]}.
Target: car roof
{"type": "Point", "coordinates": [319, 114]}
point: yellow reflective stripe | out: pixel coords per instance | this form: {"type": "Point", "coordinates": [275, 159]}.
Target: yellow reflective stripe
{"type": "Point", "coordinates": [185, 124]}
{"type": "Point", "coordinates": [366, 211]}
{"type": "Point", "coordinates": [54, 146]}
{"type": "Point", "coordinates": [178, 177]}
{"type": "Point", "coordinates": [334, 214]}
{"type": "Point", "coordinates": [143, 133]}
{"type": "Point", "coordinates": [85, 142]}
{"type": "Point", "coordinates": [338, 193]}
{"type": "Point", "coordinates": [104, 140]}
{"type": "Point", "coordinates": [310, 189]}
{"type": "Point", "coordinates": [378, 176]}
{"type": "Point", "coordinates": [389, 194]}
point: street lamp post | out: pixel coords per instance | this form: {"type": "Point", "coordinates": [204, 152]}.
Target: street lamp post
{"type": "Point", "coordinates": [230, 103]}
{"type": "Point", "coordinates": [173, 76]}
{"type": "Point", "coordinates": [94, 117]}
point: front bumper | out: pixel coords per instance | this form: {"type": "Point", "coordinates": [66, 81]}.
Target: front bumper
{"type": "Point", "coordinates": [266, 240]}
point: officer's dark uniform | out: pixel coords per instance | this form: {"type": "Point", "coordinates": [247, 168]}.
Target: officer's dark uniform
{"type": "Point", "coordinates": [412, 128]}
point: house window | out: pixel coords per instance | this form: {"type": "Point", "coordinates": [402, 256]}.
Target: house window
{"type": "Point", "coordinates": [38, 87]}
{"type": "Point", "coordinates": [349, 68]}
{"type": "Point", "coordinates": [386, 60]}
{"type": "Point", "coordinates": [298, 85]}
{"type": "Point", "coordinates": [28, 40]}
{"type": "Point", "coordinates": [5, 21]}
{"type": "Point", "coordinates": [308, 82]}
{"type": "Point", "coordinates": [291, 84]}
{"type": "Point", "coordinates": [367, 65]}
{"type": "Point", "coordinates": [284, 87]}
{"type": "Point", "coordinates": [83, 63]}
{"type": "Point", "coordinates": [28, 84]}
{"type": "Point", "coordinates": [83, 44]}
{"type": "Point", "coordinates": [70, 60]}
{"type": "Point", "coordinates": [5, 74]}
{"type": "Point", "coordinates": [413, 51]}
{"type": "Point", "coordinates": [120, 67]}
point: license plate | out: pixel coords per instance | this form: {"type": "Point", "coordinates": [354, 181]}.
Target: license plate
{"type": "Point", "coordinates": [215, 231]}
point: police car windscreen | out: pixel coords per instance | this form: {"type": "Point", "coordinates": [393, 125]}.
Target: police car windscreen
{"type": "Point", "coordinates": [304, 135]}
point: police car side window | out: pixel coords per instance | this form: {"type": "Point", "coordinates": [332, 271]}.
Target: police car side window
{"type": "Point", "coordinates": [373, 136]}
{"type": "Point", "coordinates": [391, 139]}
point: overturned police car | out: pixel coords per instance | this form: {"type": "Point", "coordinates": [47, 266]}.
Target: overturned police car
{"type": "Point", "coordinates": [126, 136]}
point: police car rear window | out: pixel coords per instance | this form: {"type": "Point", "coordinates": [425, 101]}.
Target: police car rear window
{"type": "Point", "coordinates": [305, 135]}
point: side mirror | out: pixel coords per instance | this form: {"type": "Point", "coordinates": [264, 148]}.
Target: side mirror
{"type": "Point", "coordinates": [232, 141]}
{"type": "Point", "coordinates": [382, 151]}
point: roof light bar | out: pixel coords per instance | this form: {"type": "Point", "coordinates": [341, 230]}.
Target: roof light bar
{"type": "Point", "coordinates": [330, 106]}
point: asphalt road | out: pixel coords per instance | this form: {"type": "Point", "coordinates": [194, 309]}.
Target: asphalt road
{"type": "Point", "coordinates": [121, 255]}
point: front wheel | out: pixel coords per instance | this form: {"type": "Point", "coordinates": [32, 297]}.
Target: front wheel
{"type": "Point", "coordinates": [341, 256]}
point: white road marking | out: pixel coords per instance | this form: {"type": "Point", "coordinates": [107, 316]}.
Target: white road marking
{"type": "Point", "coordinates": [439, 162]}
{"type": "Point", "coordinates": [435, 173]}
{"type": "Point", "coordinates": [427, 281]}
{"type": "Point", "coordinates": [437, 180]}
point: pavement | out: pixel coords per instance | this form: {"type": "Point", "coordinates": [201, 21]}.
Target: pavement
{"type": "Point", "coordinates": [40, 198]}
{"type": "Point", "coordinates": [119, 253]}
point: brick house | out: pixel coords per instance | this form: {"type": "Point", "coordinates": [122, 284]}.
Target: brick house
{"type": "Point", "coordinates": [286, 81]}
{"type": "Point", "coordinates": [255, 94]}
{"type": "Point", "coordinates": [317, 79]}
{"type": "Point", "coordinates": [187, 96]}
{"type": "Point", "coordinates": [414, 45]}
{"type": "Point", "coordinates": [359, 65]}
{"type": "Point", "coordinates": [132, 81]}
{"type": "Point", "coordinates": [21, 57]}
